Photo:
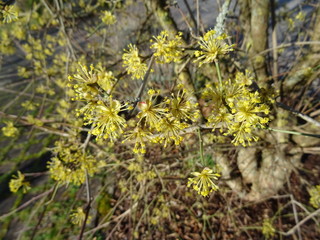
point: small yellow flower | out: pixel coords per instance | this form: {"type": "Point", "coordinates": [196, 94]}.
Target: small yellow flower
{"type": "Point", "coordinates": [133, 64]}
{"type": "Point", "coordinates": [170, 130]}
{"type": "Point", "coordinates": [167, 50]}
{"type": "Point", "coordinates": [17, 182]}
{"type": "Point", "coordinates": [181, 107]}
{"type": "Point", "coordinates": [267, 229]}
{"type": "Point", "coordinates": [106, 80]}
{"type": "Point", "coordinates": [151, 113]}
{"type": "Point", "coordinates": [10, 130]}
{"type": "Point", "coordinates": [85, 86]}
{"type": "Point", "coordinates": [78, 216]}
{"type": "Point", "coordinates": [202, 182]}
{"type": "Point", "coordinates": [108, 18]}
{"type": "Point", "coordinates": [140, 136]}
{"type": "Point", "coordinates": [9, 14]}
{"type": "Point", "coordinates": [315, 196]}
{"type": "Point", "coordinates": [242, 134]}
{"type": "Point", "coordinates": [212, 47]}
{"type": "Point", "coordinates": [106, 120]}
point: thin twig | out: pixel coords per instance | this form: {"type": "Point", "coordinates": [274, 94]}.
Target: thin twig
{"type": "Point", "coordinates": [198, 18]}
{"type": "Point", "coordinates": [26, 204]}
{"type": "Point", "coordinates": [292, 230]}
{"type": "Point", "coordinates": [299, 114]}
{"type": "Point", "coordinates": [286, 45]}
{"type": "Point", "coordinates": [145, 81]}
{"type": "Point", "coordinates": [190, 12]}
{"type": "Point", "coordinates": [274, 44]}
{"type": "Point", "coordinates": [295, 213]}
{"type": "Point", "coordinates": [114, 220]}
{"type": "Point", "coordinates": [88, 207]}
{"type": "Point", "coordinates": [294, 133]}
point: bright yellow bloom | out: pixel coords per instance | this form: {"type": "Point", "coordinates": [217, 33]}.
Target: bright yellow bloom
{"type": "Point", "coordinates": [85, 86]}
{"type": "Point", "coordinates": [18, 182]}
{"type": "Point", "coordinates": [9, 14]}
{"type": "Point", "coordinates": [247, 110]}
{"type": "Point", "coordinates": [170, 130]}
{"type": "Point", "coordinates": [315, 196]}
{"type": "Point", "coordinates": [106, 120]}
{"type": "Point", "coordinates": [202, 182]}
{"type": "Point", "coordinates": [236, 109]}
{"type": "Point", "coordinates": [167, 50]}
{"type": "Point", "coordinates": [106, 80]}
{"type": "Point", "coordinates": [133, 64]}
{"type": "Point", "coordinates": [242, 134]}
{"type": "Point", "coordinates": [222, 118]}
{"type": "Point", "coordinates": [180, 106]}
{"type": "Point", "coordinates": [10, 130]}
{"type": "Point", "coordinates": [244, 79]}
{"type": "Point", "coordinates": [108, 18]}
{"type": "Point", "coordinates": [212, 47]}
{"type": "Point", "coordinates": [151, 113]}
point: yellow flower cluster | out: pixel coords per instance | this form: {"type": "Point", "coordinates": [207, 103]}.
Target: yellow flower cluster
{"type": "Point", "coordinates": [315, 196]}
{"type": "Point", "coordinates": [167, 50]}
{"type": "Point", "coordinates": [70, 164]}
{"type": "Point", "coordinates": [9, 14]}
{"type": "Point", "coordinates": [86, 83]}
{"type": "Point", "coordinates": [105, 119]}
{"type": "Point", "coordinates": [133, 64]}
{"type": "Point", "coordinates": [236, 109]}
{"type": "Point", "coordinates": [108, 18]}
{"type": "Point", "coordinates": [164, 121]}
{"type": "Point", "coordinates": [203, 182]}
{"type": "Point", "coordinates": [10, 130]}
{"type": "Point", "coordinates": [212, 47]}
{"type": "Point", "coordinates": [78, 216]}
{"type": "Point", "coordinates": [268, 229]}
{"type": "Point", "coordinates": [17, 182]}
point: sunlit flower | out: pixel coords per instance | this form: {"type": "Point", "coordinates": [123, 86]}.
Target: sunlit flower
{"type": "Point", "coordinates": [242, 134]}
{"type": "Point", "coordinates": [106, 80]}
{"type": "Point", "coordinates": [212, 47]}
{"type": "Point", "coordinates": [203, 182]}
{"type": "Point", "coordinates": [151, 113]}
{"type": "Point", "coordinates": [85, 83]}
{"type": "Point", "coordinates": [167, 50]}
{"type": "Point", "coordinates": [17, 182]}
{"type": "Point", "coordinates": [9, 14]}
{"type": "Point", "coordinates": [222, 118]}
{"type": "Point", "coordinates": [139, 136]}
{"type": "Point", "coordinates": [247, 110]}
{"type": "Point", "coordinates": [133, 64]}
{"type": "Point", "coordinates": [106, 120]}
{"type": "Point", "coordinates": [170, 130]}
{"type": "Point", "coordinates": [181, 107]}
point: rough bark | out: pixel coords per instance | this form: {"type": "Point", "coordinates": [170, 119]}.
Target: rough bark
{"type": "Point", "coordinates": [259, 35]}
